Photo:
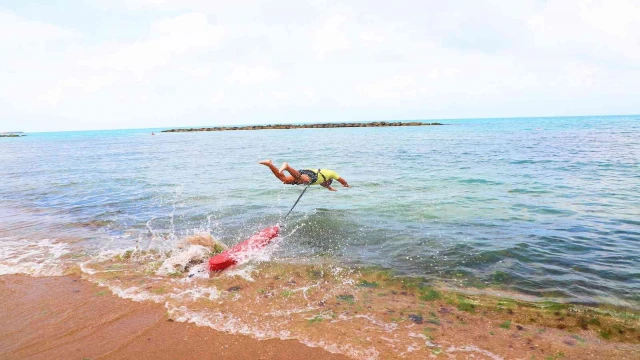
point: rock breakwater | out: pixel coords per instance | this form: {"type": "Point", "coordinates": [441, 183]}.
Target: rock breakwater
{"type": "Point", "coordinates": [305, 126]}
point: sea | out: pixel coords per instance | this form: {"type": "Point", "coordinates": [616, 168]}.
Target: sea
{"type": "Point", "coordinates": [527, 208]}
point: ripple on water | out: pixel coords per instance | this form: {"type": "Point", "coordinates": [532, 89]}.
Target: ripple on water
{"type": "Point", "coordinates": [425, 201]}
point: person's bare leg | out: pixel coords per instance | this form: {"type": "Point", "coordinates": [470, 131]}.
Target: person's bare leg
{"type": "Point", "coordinates": [278, 173]}
{"type": "Point", "coordinates": [295, 173]}
{"type": "Point", "coordinates": [292, 171]}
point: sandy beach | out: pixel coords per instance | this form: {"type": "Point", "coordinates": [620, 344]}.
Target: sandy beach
{"type": "Point", "coordinates": [68, 318]}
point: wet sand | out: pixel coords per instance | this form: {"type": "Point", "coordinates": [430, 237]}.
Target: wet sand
{"type": "Point", "coordinates": [68, 318]}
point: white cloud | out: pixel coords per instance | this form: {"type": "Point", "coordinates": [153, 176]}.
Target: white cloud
{"type": "Point", "coordinates": [594, 30]}
{"type": "Point", "coordinates": [330, 36]}
{"type": "Point", "coordinates": [170, 39]}
{"type": "Point", "coordinates": [192, 62]}
{"type": "Point", "coordinates": [217, 97]}
{"type": "Point", "coordinates": [22, 32]}
{"type": "Point", "coordinates": [395, 88]}
{"type": "Point", "coordinates": [244, 74]}
{"type": "Point", "coordinates": [101, 74]}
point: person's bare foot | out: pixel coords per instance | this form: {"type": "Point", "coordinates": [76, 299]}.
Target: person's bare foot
{"type": "Point", "coordinates": [265, 162]}
{"type": "Point", "coordinates": [284, 166]}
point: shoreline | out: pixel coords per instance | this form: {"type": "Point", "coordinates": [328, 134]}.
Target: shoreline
{"type": "Point", "coordinates": [370, 314]}
{"type": "Point", "coordinates": [419, 319]}
{"type": "Point", "coordinates": [306, 126]}
{"type": "Point", "coordinates": [68, 317]}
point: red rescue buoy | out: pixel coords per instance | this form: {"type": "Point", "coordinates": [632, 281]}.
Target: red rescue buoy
{"type": "Point", "coordinates": [230, 256]}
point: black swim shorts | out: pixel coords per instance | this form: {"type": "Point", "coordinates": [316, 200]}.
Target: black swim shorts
{"type": "Point", "coordinates": [310, 173]}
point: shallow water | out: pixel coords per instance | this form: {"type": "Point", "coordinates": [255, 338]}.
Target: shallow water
{"type": "Point", "coordinates": [540, 206]}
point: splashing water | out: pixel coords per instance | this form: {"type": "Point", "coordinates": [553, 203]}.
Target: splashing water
{"type": "Point", "coordinates": [42, 258]}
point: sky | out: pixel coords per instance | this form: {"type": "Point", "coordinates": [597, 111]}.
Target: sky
{"type": "Point", "coordinates": [113, 64]}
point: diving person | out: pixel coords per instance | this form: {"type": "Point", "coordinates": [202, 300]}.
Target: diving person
{"type": "Point", "coordinates": [322, 177]}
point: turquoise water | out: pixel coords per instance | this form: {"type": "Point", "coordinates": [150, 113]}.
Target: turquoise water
{"type": "Point", "coordinates": [542, 206]}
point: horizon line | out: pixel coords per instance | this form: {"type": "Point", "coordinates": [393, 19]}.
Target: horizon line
{"type": "Point", "coordinates": [324, 122]}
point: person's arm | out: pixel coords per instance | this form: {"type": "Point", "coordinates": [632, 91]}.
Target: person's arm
{"type": "Point", "coordinates": [343, 182]}
{"type": "Point", "coordinates": [327, 184]}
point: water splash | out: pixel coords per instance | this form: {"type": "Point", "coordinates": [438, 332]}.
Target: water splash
{"type": "Point", "coordinates": [42, 258]}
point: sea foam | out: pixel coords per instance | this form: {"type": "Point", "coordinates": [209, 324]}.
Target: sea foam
{"type": "Point", "coordinates": [39, 258]}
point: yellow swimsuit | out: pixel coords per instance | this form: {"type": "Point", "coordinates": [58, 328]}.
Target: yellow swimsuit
{"type": "Point", "coordinates": [318, 176]}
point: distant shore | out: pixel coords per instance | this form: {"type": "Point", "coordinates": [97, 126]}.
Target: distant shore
{"type": "Point", "coordinates": [11, 135]}
{"type": "Point", "coordinates": [306, 126]}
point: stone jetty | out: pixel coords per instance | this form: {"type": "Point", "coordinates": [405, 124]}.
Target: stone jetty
{"type": "Point", "coordinates": [306, 126]}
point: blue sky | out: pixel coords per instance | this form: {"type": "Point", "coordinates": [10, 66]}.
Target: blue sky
{"type": "Point", "coordinates": [108, 64]}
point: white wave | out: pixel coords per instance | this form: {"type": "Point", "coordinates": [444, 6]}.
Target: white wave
{"type": "Point", "coordinates": [244, 271]}
{"type": "Point", "coordinates": [134, 293]}
{"type": "Point", "coordinates": [182, 260]}
{"type": "Point", "coordinates": [227, 323]}
{"type": "Point", "coordinates": [381, 325]}
{"type": "Point", "coordinates": [199, 271]}
{"type": "Point", "coordinates": [387, 327]}
{"type": "Point", "coordinates": [109, 254]}
{"type": "Point", "coordinates": [41, 258]}
{"type": "Point", "coordinates": [287, 313]}
{"type": "Point", "coordinates": [219, 321]}
{"type": "Point", "coordinates": [211, 293]}
{"type": "Point", "coordinates": [85, 269]}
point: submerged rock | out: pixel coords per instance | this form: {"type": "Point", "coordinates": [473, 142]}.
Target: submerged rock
{"type": "Point", "coordinates": [415, 318]}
